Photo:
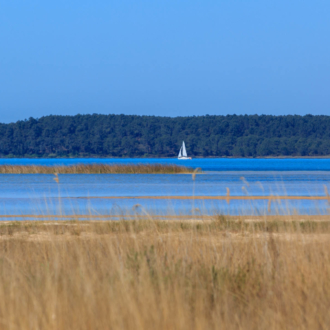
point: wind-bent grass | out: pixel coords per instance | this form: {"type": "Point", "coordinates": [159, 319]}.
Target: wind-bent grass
{"type": "Point", "coordinates": [96, 169]}
{"type": "Point", "coordinates": [148, 274]}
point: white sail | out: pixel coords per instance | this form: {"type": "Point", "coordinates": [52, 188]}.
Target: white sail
{"type": "Point", "coordinates": [184, 151]}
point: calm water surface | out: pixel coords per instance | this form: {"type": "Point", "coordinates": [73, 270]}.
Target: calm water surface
{"type": "Point", "coordinates": [40, 194]}
{"type": "Point", "coordinates": [207, 164]}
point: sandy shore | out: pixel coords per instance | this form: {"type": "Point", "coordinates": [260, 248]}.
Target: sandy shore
{"type": "Point", "coordinates": [196, 218]}
{"type": "Point", "coordinates": [212, 197]}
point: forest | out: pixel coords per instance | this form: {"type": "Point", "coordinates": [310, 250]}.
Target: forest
{"type": "Point", "coordinates": [150, 136]}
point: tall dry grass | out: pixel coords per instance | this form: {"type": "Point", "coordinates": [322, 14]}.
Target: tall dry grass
{"type": "Point", "coordinates": [146, 274]}
{"type": "Point", "coordinates": [96, 169]}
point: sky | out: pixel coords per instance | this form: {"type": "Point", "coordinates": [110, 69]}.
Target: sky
{"type": "Point", "coordinates": [165, 58]}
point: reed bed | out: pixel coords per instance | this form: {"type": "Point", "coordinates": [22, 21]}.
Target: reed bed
{"type": "Point", "coordinates": [96, 169]}
{"type": "Point", "coordinates": [147, 274]}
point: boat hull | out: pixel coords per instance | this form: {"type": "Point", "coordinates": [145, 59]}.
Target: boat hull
{"type": "Point", "coordinates": [184, 158]}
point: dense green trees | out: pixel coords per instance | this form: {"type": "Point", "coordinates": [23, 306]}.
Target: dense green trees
{"type": "Point", "coordinates": [140, 136]}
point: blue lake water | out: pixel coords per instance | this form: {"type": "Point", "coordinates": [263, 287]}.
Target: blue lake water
{"type": "Point", "coordinates": [206, 164]}
{"type": "Point", "coordinates": [83, 194]}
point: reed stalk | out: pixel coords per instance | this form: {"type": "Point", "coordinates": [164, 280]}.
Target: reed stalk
{"type": "Point", "coordinates": [149, 274]}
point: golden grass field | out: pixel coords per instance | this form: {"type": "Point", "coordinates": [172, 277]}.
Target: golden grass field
{"type": "Point", "coordinates": [146, 273]}
{"type": "Point", "coordinates": [96, 169]}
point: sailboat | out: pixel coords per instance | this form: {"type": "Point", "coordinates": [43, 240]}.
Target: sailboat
{"type": "Point", "coordinates": [183, 152]}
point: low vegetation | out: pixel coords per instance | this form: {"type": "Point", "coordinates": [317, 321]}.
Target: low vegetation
{"type": "Point", "coordinates": [96, 169]}
{"type": "Point", "coordinates": [220, 273]}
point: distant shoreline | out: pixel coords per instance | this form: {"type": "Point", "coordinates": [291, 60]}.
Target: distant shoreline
{"type": "Point", "coordinates": [174, 158]}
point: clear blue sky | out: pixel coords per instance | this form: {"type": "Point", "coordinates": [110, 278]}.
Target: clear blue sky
{"type": "Point", "coordinates": [164, 57]}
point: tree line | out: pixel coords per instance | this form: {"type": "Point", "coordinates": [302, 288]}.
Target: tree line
{"type": "Point", "coordinates": [151, 136]}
